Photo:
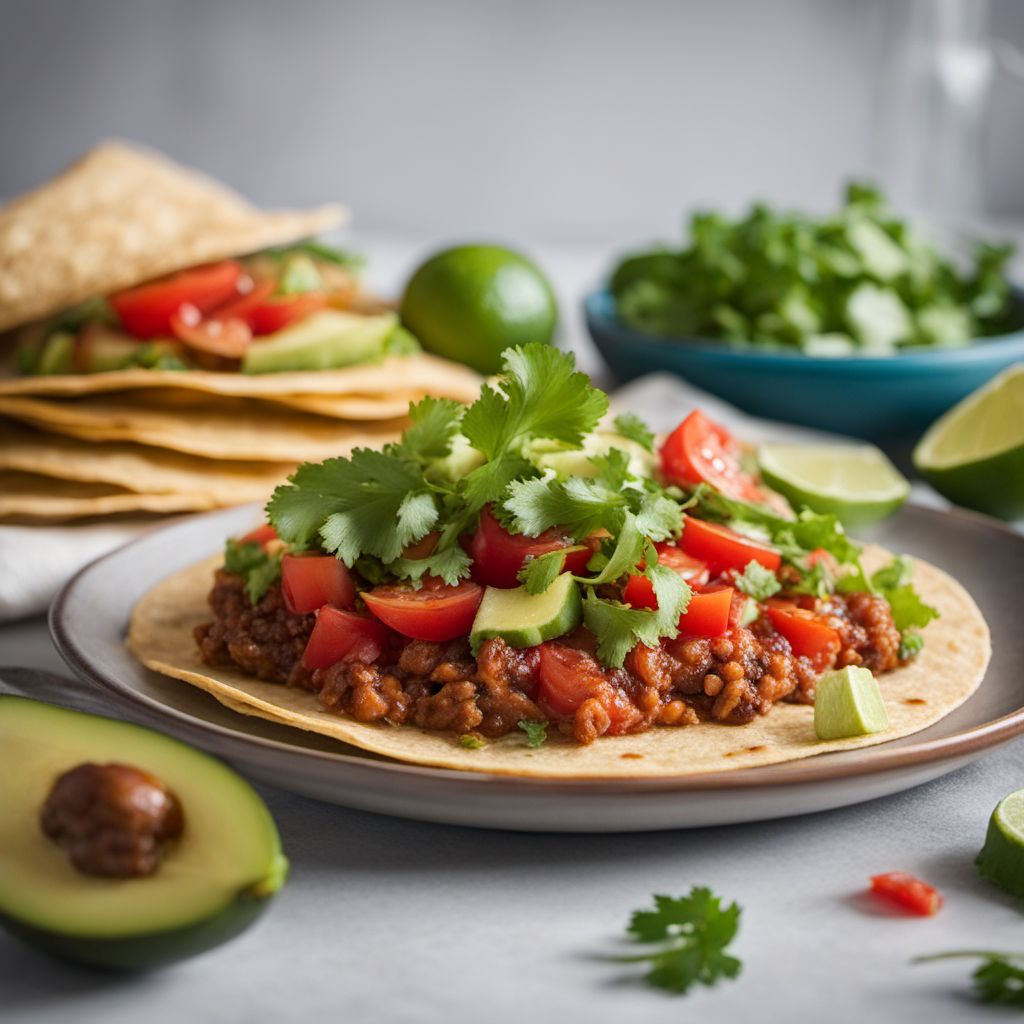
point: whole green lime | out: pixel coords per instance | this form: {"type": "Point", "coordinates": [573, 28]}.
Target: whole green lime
{"type": "Point", "coordinates": [472, 302]}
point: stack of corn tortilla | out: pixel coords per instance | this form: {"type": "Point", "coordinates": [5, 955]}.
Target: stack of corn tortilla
{"type": "Point", "coordinates": [158, 441]}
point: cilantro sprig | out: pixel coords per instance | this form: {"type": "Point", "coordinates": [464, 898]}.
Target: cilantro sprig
{"type": "Point", "coordinates": [689, 936]}
{"type": "Point", "coordinates": [999, 978]}
{"type": "Point", "coordinates": [257, 566]}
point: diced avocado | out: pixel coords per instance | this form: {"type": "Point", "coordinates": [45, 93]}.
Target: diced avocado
{"type": "Point", "coordinates": [323, 341]}
{"type": "Point", "coordinates": [525, 620]}
{"type": "Point", "coordinates": [401, 342]}
{"type": "Point", "coordinates": [579, 462]}
{"type": "Point", "coordinates": [459, 462]}
{"type": "Point", "coordinates": [751, 611]}
{"type": "Point", "coordinates": [847, 702]}
{"type": "Point", "coordinates": [212, 883]}
{"type": "Point", "coordinates": [57, 355]}
{"type": "Point", "coordinates": [299, 275]}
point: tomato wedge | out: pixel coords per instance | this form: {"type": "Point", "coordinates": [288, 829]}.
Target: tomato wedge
{"type": "Point", "coordinates": [639, 592]}
{"type": "Point", "coordinates": [908, 892]}
{"type": "Point", "coordinates": [276, 314]}
{"type": "Point", "coordinates": [308, 582]}
{"type": "Point", "coordinates": [807, 634]}
{"type": "Point", "coordinates": [722, 548]}
{"type": "Point", "coordinates": [499, 555]}
{"type": "Point", "coordinates": [568, 677]}
{"type": "Point", "coordinates": [434, 612]}
{"type": "Point", "coordinates": [343, 636]}
{"type": "Point", "coordinates": [146, 311]}
{"type": "Point", "coordinates": [707, 614]}
{"type": "Point", "coordinates": [226, 338]}
{"type": "Point", "coordinates": [701, 451]}
{"type": "Point", "coordinates": [262, 535]}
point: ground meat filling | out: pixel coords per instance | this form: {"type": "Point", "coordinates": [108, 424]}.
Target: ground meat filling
{"type": "Point", "coordinates": [731, 678]}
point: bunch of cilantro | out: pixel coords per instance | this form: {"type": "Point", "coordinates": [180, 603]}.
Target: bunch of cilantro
{"type": "Point", "coordinates": [860, 279]}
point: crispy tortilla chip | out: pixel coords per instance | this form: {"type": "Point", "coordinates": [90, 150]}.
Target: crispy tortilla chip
{"type": "Point", "coordinates": [27, 496]}
{"type": "Point", "coordinates": [122, 215]}
{"type": "Point", "coordinates": [227, 430]}
{"type": "Point", "coordinates": [948, 670]}
{"type": "Point", "coordinates": [135, 467]}
{"type": "Point", "coordinates": [422, 374]}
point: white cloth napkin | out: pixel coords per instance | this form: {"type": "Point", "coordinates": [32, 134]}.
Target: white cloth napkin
{"type": "Point", "coordinates": [36, 561]}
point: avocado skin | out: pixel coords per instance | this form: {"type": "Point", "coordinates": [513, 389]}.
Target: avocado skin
{"type": "Point", "coordinates": [145, 952]}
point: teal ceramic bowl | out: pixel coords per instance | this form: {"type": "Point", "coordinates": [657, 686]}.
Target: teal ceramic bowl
{"type": "Point", "coordinates": [875, 397]}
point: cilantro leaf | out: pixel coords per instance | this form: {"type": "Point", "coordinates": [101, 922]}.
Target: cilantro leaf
{"type": "Point", "coordinates": [541, 395]}
{"type": "Point", "coordinates": [893, 583]}
{"type": "Point", "coordinates": [620, 628]}
{"type": "Point", "coordinates": [435, 422]}
{"type": "Point", "coordinates": [536, 732]}
{"type": "Point", "coordinates": [450, 563]}
{"type": "Point", "coordinates": [758, 582]}
{"type": "Point", "coordinates": [692, 934]}
{"type": "Point", "coordinates": [630, 425]}
{"type": "Point", "coordinates": [999, 978]}
{"type": "Point", "coordinates": [911, 644]}
{"type": "Point", "coordinates": [257, 566]}
{"type": "Point", "coordinates": [576, 505]}
{"type": "Point", "coordinates": [471, 741]}
{"type": "Point", "coordinates": [539, 572]}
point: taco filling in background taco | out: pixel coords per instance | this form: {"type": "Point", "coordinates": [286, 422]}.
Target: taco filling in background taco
{"type": "Point", "coordinates": [511, 572]}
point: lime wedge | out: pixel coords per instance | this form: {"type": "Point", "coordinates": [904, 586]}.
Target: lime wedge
{"type": "Point", "coordinates": [974, 454]}
{"type": "Point", "coordinates": [1002, 857]}
{"type": "Point", "coordinates": [847, 702]}
{"type": "Point", "coordinates": [856, 482]}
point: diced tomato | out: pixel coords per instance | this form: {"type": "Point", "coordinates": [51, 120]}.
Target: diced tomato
{"type": "Point", "coordinates": [701, 451]}
{"type": "Point", "coordinates": [908, 892]}
{"type": "Point", "coordinates": [722, 548]}
{"type": "Point", "coordinates": [308, 582]}
{"type": "Point", "coordinates": [261, 535]}
{"type": "Point", "coordinates": [499, 555]}
{"type": "Point", "coordinates": [423, 547]}
{"type": "Point", "coordinates": [266, 313]}
{"type": "Point", "coordinates": [707, 614]}
{"type": "Point", "coordinates": [569, 676]}
{"type": "Point", "coordinates": [146, 311]}
{"type": "Point", "coordinates": [826, 558]}
{"type": "Point", "coordinates": [226, 338]}
{"type": "Point", "coordinates": [434, 612]}
{"type": "Point", "coordinates": [807, 634]}
{"type": "Point", "coordinates": [639, 592]}
{"type": "Point", "coordinates": [276, 314]}
{"type": "Point", "coordinates": [339, 636]}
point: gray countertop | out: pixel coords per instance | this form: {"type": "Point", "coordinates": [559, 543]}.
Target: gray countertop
{"type": "Point", "coordinates": [388, 920]}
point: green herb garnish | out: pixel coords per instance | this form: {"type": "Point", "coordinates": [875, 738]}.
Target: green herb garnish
{"type": "Point", "coordinates": [858, 279]}
{"type": "Point", "coordinates": [319, 251]}
{"type": "Point", "coordinates": [999, 978]}
{"type": "Point", "coordinates": [758, 582]}
{"type": "Point", "coordinates": [630, 425]}
{"type": "Point", "coordinates": [471, 741]}
{"type": "Point", "coordinates": [257, 566]}
{"type": "Point", "coordinates": [690, 935]}
{"type": "Point", "coordinates": [536, 732]}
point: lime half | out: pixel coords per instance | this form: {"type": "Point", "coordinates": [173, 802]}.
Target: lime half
{"type": "Point", "coordinates": [1002, 857]}
{"type": "Point", "coordinates": [974, 454]}
{"type": "Point", "coordinates": [855, 482]}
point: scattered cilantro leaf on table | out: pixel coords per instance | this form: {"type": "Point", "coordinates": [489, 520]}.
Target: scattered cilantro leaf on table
{"type": "Point", "coordinates": [999, 978]}
{"type": "Point", "coordinates": [257, 566]}
{"type": "Point", "coordinates": [689, 935]}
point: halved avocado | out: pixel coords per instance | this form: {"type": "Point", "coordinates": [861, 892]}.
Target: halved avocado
{"type": "Point", "coordinates": [211, 885]}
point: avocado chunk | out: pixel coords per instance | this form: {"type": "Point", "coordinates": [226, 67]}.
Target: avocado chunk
{"type": "Point", "coordinates": [211, 884]}
{"type": "Point", "coordinates": [580, 461]}
{"type": "Point", "coordinates": [322, 341]}
{"type": "Point", "coordinates": [57, 354]}
{"type": "Point", "coordinates": [522, 619]}
{"type": "Point", "coordinates": [847, 702]}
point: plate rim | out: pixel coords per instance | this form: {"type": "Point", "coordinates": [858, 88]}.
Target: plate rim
{"type": "Point", "coordinates": [867, 761]}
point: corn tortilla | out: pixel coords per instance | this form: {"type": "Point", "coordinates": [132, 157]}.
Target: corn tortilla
{"type": "Point", "coordinates": [29, 496]}
{"type": "Point", "coordinates": [226, 431]}
{"type": "Point", "coordinates": [135, 467]}
{"type": "Point", "coordinates": [420, 374]}
{"type": "Point", "coordinates": [122, 215]}
{"type": "Point", "coordinates": [948, 670]}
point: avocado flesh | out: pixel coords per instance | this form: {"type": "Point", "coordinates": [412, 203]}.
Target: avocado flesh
{"type": "Point", "coordinates": [321, 341]}
{"type": "Point", "coordinates": [210, 885]}
{"type": "Point", "coordinates": [523, 619]}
